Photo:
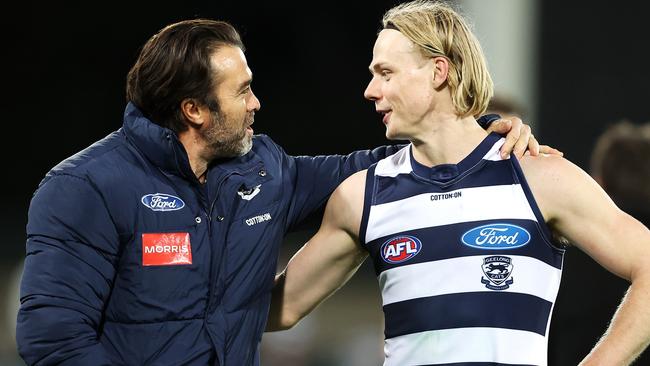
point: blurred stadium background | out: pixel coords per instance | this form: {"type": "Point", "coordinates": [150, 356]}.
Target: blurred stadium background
{"type": "Point", "coordinates": [573, 67]}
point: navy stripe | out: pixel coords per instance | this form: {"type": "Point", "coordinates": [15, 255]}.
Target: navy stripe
{"type": "Point", "coordinates": [546, 232]}
{"type": "Point", "coordinates": [488, 173]}
{"type": "Point", "coordinates": [367, 202]}
{"type": "Point", "coordinates": [476, 364]}
{"type": "Point", "coordinates": [440, 172]}
{"type": "Point", "coordinates": [508, 310]}
{"type": "Point", "coordinates": [444, 242]}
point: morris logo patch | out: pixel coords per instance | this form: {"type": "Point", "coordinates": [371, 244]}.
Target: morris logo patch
{"type": "Point", "coordinates": [400, 249]}
{"type": "Point", "coordinates": [162, 202]}
{"type": "Point", "coordinates": [498, 271]}
{"type": "Point", "coordinates": [496, 236]}
{"type": "Point", "coordinates": [166, 249]}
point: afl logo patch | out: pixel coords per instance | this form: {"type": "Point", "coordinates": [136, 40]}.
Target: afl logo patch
{"type": "Point", "coordinates": [162, 202]}
{"type": "Point", "coordinates": [400, 248]}
{"type": "Point", "coordinates": [496, 236]}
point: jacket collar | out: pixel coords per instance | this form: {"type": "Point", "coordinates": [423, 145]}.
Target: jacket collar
{"type": "Point", "coordinates": [158, 144]}
{"type": "Point", "coordinates": [162, 147]}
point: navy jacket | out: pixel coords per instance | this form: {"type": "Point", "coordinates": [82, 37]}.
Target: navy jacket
{"type": "Point", "coordinates": [131, 261]}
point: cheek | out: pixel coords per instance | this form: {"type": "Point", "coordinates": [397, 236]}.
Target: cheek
{"type": "Point", "coordinates": [418, 94]}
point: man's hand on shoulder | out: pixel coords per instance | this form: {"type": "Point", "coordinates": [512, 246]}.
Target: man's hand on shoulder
{"type": "Point", "coordinates": [519, 138]}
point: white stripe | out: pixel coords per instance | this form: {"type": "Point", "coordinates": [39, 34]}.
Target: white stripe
{"type": "Point", "coordinates": [416, 212]}
{"type": "Point", "coordinates": [494, 154]}
{"type": "Point", "coordinates": [466, 345]}
{"type": "Point", "coordinates": [458, 275]}
{"type": "Point", "coordinates": [398, 163]}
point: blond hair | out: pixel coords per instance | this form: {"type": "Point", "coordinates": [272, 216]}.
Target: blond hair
{"type": "Point", "coordinates": [438, 30]}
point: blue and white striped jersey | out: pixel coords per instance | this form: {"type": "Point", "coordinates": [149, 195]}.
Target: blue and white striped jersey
{"type": "Point", "coordinates": [466, 265]}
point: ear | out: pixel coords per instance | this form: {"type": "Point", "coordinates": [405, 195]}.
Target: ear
{"type": "Point", "coordinates": [195, 113]}
{"type": "Point", "coordinates": [440, 71]}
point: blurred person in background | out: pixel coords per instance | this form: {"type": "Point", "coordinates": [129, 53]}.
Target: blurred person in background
{"type": "Point", "coordinates": [505, 106]}
{"type": "Point", "coordinates": [620, 163]}
{"type": "Point", "coordinates": [158, 244]}
{"type": "Point", "coordinates": [467, 245]}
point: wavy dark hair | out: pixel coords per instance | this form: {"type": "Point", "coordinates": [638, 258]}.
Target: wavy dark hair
{"type": "Point", "coordinates": [174, 65]}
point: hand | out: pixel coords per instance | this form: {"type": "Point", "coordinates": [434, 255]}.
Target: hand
{"type": "Point", "coordinates": [519, 138]}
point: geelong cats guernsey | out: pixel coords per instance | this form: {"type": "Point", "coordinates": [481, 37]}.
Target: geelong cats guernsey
{"type": "Point", "coordinates": [466, 265]}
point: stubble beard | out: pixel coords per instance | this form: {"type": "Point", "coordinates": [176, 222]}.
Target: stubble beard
{"type": "Point", "coordinates": [223, 143]}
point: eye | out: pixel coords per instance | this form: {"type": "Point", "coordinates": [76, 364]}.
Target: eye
{"type": "Point", "coordinates": [385, 74]}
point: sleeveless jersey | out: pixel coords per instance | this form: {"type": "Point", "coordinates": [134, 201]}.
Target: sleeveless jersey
{"type": "Point", "coordinates": [466, 265]}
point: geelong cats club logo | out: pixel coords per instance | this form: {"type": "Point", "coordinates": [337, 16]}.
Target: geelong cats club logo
{"type": "Point", "coordinates": [498, 271]}
{"type": "Point", "coordinates": [400, 248]}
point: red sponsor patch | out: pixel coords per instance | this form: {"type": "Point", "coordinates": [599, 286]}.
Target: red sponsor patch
{"type": "Point", "coordinates": [166, 249]}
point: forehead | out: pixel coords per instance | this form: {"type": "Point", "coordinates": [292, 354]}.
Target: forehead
{"type": "Point", "coordinates": [393, 47]}
{"type": "Point", "coordinates": [230, 63]}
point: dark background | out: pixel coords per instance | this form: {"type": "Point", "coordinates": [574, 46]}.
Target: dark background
{"type": "Point", "coordinates": [65, 69]}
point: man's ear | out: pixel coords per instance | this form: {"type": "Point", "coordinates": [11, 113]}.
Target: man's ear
{"type": "Point", "coordinates": [440, 71]}
{"type": "Point", "coordinates": [195, 113]}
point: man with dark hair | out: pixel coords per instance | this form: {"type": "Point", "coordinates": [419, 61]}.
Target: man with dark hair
{"type": "Point", "coordinates": [158, 244]}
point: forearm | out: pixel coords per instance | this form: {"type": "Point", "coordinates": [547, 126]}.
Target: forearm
{"type": "Point", "coordinates": [317, 270]}
{"type": "Point", "coordinates": [629, 332]}
{"type": "Point", "coordinates": [279, 317]}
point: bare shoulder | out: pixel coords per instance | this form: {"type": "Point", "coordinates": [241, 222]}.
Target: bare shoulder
{"type": "Point", "coordinates": [547, 167]}
{"type": "Point", "coordinates": [353, 185]}
{"type": "Point", "coordinates": [558, 184]}
{"type": "Point", "coordinates": [345, 206]}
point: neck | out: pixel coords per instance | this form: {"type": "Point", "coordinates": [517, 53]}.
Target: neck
{"type": "Point", "coordinates": [447, 139]}
{"type": "Point", "coordinates": [194, 148]}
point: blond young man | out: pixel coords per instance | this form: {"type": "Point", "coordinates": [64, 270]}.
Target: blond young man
{"type": "Point", "coordinates": [463, 241]}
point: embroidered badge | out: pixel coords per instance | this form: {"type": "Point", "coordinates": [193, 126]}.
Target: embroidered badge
{"type": "Point", "coordinates": [248, 194]}
{"type": "Point", "coordinates": [498, 271]}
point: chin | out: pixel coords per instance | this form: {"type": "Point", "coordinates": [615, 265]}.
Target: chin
{"type": "Point", "coordinates": [246, 145]}
{"type": "Point", "coordinates": [392, 135]}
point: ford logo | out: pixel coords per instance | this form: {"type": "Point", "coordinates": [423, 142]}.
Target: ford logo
{"type": "Point", "coordinates": [496, 236]}
{"type": "Point", "coordinates": [162, 202]}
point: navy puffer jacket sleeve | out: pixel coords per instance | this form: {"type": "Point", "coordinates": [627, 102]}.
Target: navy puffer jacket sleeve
{"type": "Point", "coordinates": [72, 250]}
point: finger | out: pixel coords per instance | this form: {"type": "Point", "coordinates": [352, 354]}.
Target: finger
{"type": "Point", "coordinates": [511, 137]}
{"type": "Point", "coordinates": [533, 146]}
{"type": "Point", "coordinates": [545, 149]}
{"type": "Point", "coordinates": [522, 142]}
{"type": "Point", "coordinates": [500, 126]}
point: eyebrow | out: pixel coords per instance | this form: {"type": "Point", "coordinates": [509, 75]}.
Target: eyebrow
{"type": "Point", "coordinates": [244, 84]}
{"type": "Point", "coordinates": [376, 67]}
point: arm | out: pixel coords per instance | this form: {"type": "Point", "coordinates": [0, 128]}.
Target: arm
{"type": "Point", "coordinates": [577, 208]}
{"type": "Point", "coordinates": [325, 262]}
{"type": "Point", "coordinates": [316, 177]}
{"type": "Point", "coordinates": [69, 268]}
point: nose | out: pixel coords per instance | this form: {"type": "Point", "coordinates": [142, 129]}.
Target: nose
{"type": "Point", "coordinates": [253, 103]}
{"type": "Point", "coordinates": [372, 90]}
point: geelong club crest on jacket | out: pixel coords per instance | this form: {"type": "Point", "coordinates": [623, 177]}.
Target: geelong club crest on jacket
{"type": "Point", "coordinates": [162, 202]}
{"type": "Point", "coordinates": [400, 248]}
